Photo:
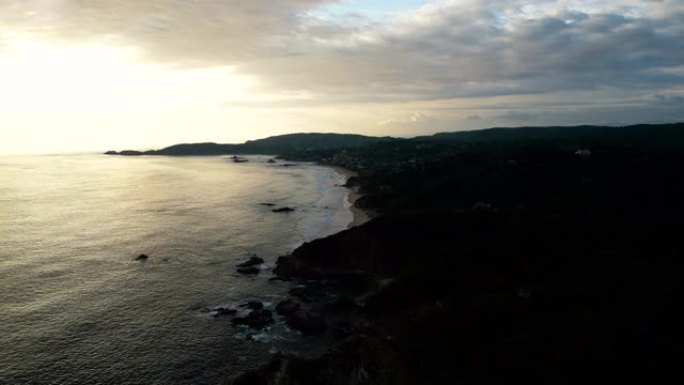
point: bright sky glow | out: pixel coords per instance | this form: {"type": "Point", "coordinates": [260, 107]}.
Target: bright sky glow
{"type": "Point", "coordinates": [94, 77]}
{"type": "Point", "coordinates": [72, 91]}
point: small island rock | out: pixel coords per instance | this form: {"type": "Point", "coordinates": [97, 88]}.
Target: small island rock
{"type": "Point", "coordinates": [283, 210]}
{"type": "Point", "coordinates": [252, 261]}
{"type": "Point", "coordinates": [249, 270]}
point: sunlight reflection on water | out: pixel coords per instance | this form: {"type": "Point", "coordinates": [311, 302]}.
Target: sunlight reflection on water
{"type": "Point", "coordinates": [76, 308]}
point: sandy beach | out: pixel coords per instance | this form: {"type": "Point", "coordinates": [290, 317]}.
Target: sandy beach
{"type": "Point", "coordinates": [360, 216]}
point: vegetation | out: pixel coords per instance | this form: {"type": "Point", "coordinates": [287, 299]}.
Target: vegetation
{"type": "Point", "coordinates": [543, 255]}
{"type": "Point", "coordinates": [514, 255]}
{"type": "Point", "coordinates": [283, 144]}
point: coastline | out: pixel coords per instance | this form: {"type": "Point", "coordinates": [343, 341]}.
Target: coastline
{"type": "Point", "coordinates": [359, 215]}
{"type": "Point", "coordinates": [496, 271]}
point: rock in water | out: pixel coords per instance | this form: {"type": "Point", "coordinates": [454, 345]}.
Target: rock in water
{"type": "Point", "coordinates": [142, 257]}
{"type": "Point", "coordinates": [239, 159]}
{"type": "Point", "coordinates": [256, 319]}
{"type": "Point", "coordinates": [251, 270]}
{"type": "Point", "coordinates": [283, 210]}
{"type": "Point", "coordinates": [253, 305]}
{"type": "Point", "coordinates": [222, 311]}
{"type": "Point", "coordinates": [252, 261]}
{"type": "Point", "coordinates": [281, 279]}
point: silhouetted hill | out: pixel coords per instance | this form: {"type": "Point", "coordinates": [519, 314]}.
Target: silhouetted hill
{"type": "Point", "coordinates": [275, 145]}
{"type": "Point", "coordinates": [643, 134]}
{"type": "Point", "coordinates": [198, 149]}
{"type": "Point", "coordinates": [283, 144]}
{"type": "Point", "coordinates": [317, 146]}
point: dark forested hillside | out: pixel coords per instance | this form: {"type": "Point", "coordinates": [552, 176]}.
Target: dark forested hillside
{"type": "Point", "coordinates": [505, 256]}
{"type": "Point", "coordinates": [313, 145]}
{"type": "Point", "coordinates": [660, 135]}
{"type": "Point", "coordinates": [531, 255]}
{"type": "Point", "coordinates": [282, 144]}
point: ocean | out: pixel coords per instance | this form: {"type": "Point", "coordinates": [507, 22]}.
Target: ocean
{"type": "Point", "coordinates": [75, 306]}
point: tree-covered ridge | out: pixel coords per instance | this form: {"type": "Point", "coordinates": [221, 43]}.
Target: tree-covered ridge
{"type": "Point", "coordinates": [275, 145]}
{"type": "Point", "coordinates": [315, 144]}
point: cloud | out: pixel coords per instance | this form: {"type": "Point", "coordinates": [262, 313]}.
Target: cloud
{"type": "Point", "coordinates": [485, 48]}
{"type": "Point", "coordinates": [180, 32]}
{"type": "Point", "coordinates": [416, 118]}
{"type": "Point", "coordinates": [518, 116]}
{"type": "Point", "coordinates": [446, 50]}
{"type": "Point", "coordinates": [675, 99]}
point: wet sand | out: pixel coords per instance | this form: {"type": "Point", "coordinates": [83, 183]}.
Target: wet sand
{"type": "Point", "coordinates": [360, 216]}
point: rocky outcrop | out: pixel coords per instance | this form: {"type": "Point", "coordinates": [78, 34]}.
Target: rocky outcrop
{"type": "Point", "coordinates": [250, 270]}
{"type": "Point", "coordinates": [373, 248]}
{"type": "Point", "coordinates": [223, 311]}
{"type": "Point", "coordinates": [288, 267]}
{"type": "Point", "coordinates": [251, 266]}
{"type": "Point", "coordinates": [252, 261]}
{"type": "Point", "coordinates": [256, 319]}
{"type": "Point", "coordinates": [253, 305]}
{"type": "Point", "coordinates": [360, 361]}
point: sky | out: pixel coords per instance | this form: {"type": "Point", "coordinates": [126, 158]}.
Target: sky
{"type": "Point", "coordinates": [95, 75]}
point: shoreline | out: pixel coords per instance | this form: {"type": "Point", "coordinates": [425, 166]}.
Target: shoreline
{"type": "Point", "coordinates": [359, 215]}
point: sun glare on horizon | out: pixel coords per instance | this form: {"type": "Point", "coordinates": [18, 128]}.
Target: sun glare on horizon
{"type": "Point", "coordinates": [52, 91]}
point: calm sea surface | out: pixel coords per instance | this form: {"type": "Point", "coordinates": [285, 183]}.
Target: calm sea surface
{"type": "Point", "coordinates": [75, 308]}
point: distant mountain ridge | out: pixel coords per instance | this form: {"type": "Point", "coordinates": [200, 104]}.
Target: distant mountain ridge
{"type": "Point", "coordinates": [640, 133]}
{"type": "Point", "coordinates": [281, 144]}
{"type": "Point", "coordinates": [654, 134]}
